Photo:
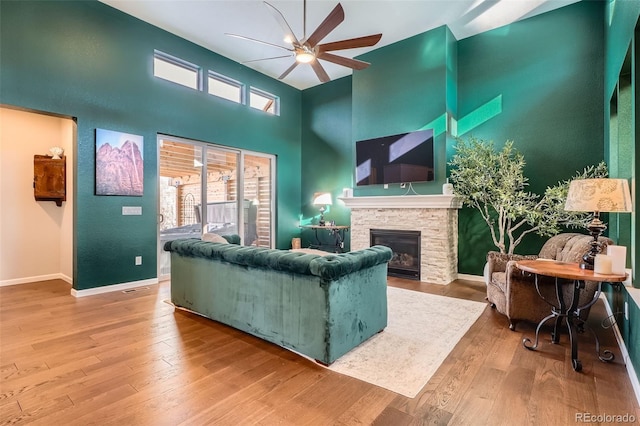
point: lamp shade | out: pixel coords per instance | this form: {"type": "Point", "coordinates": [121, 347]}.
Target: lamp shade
{"type": "Point", "coordinates": [599, 195]}
{"type": "Point", "coordinates": [322, 199]}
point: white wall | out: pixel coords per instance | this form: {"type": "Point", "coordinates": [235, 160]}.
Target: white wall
{"type": "Point", "coordinates": [36, 237]}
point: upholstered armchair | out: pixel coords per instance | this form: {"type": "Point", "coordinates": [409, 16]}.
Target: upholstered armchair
{"type": "Point", "coordinates": [512, 292]}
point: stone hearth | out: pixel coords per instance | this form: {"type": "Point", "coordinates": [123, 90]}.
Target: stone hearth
{"type": "Point", "coordinates": [435, 216]}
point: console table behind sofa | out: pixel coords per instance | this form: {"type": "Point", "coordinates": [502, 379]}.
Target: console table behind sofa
{"type": "Point", "coordinates": [319, 306]}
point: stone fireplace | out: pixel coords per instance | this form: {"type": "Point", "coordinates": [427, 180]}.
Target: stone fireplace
{"type": "Point", "coordinates": [434, 216]}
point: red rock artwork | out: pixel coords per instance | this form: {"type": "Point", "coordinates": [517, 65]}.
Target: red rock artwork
{"type": "Point", "coordinates": [119, 164]}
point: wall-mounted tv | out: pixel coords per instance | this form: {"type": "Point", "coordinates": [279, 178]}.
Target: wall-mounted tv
{"type": "Point", "coordinates": [403, 158]}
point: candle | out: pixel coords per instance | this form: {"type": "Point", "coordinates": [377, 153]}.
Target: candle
{"type": "Point", "coordinates": [618, 259]}
{"type": "Point", "coordinates": [447, 188]}
{"type": "Point", "coordinates": [602, 264]}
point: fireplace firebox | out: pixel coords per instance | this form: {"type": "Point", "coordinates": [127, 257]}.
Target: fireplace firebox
{"type": "Point", "coordinates": [405, 245]}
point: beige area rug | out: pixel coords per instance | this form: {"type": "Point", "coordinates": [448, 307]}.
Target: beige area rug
{"type": "Point", "coordinates": [422, 330]}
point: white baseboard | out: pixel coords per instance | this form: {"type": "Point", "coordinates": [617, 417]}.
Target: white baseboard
{"type": "Point", "coordinates": [470, 277]}
{"type": "Point", "coordinates": [27, 280]}
{"type": "Point", "coordinates": [625, 354]}
{"type": "Point", "coordinates": [110, 288]}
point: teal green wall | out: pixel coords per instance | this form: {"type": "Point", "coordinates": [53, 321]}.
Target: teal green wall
{"type": "Point", "coordinates": [87, 60]}
{"type": "Point", "coordinates": [546, 72]}
{"type": "Point", "coordinates": [631, 334]}
{"type": "Point", "coordinates": [620, 22]}
{"type": "Point", "coordinates": [535, 82]}
{"type": "Point", "coordinates": [621, 26]}
{"type": "Point", "coordinates": [378, 101]}
{"type": "Point", "coordinates": [619, 127]}
{"type": "Point", "coordinates": [326, 152]}
{"type": "Point", "coordinates": [405, 89]}
{"type": "Point", "coordinates": [452, 96]}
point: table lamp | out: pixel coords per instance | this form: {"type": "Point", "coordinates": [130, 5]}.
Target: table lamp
{"type": "Point", "coordinates": [322, 199]}
{"type": "Point", "coordinates": [597, 195]}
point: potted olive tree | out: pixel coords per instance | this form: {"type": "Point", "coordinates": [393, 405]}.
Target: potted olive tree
{"type": "Point", "coordinates": [493, 183]}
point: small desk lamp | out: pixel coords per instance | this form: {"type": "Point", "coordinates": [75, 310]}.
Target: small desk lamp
{"type": "Point", "coordinates": [322, 199]}
{"type": "Point", "coordinates": [597, 195]}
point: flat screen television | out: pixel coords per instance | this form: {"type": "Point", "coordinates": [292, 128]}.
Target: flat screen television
{"type": "Point", "coordinates": [403, 158]}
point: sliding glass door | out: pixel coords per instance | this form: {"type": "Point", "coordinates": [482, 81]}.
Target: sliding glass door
{"type": "Point", "coordinates": [221, 215]}
{"type": "Point", "coordinates": [179, 193]}
{"type": "Point", "coordinates": [258, 193]}
{"type": "Point", "coordinates": [210, 188]}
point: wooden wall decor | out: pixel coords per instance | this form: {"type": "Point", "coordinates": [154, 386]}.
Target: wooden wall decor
{"type": "Point", "coordinates": [50, 179]}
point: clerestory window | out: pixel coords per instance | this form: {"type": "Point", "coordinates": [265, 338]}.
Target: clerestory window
{"type": "Point", "coordinates": [176, 70]}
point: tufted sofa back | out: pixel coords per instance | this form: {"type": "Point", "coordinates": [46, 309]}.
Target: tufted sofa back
{"type": "Point", "coordinates": [331, 266]}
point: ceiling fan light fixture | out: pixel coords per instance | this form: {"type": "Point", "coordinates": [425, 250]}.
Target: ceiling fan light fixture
{"type": "Point", "coordinates": [308, 50]}
{"type": "Point", "coordinates": [305, 57]}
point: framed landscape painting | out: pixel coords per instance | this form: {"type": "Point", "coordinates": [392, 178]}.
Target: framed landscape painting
{"type": "Point", "coordinates": [119, 163]}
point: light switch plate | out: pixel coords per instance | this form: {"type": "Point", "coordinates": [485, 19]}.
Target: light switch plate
{"type": "Point", "coordinates": [131, 210]}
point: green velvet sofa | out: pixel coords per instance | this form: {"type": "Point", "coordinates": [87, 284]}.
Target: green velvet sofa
{"type": "Point", "coordinates": [319, 306]}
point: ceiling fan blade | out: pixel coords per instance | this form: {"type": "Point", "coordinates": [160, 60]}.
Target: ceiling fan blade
{"type": "Point", "coordinates": [329, 24]}
{"type": "Point", "coordinates": [258, 41]}
{"type": "Point", "coordinates": [320, 72]}
{"type": "Point", "coordinates": [286, 73]}
{"type": "Point", "coordinates": [283, 23]}
{"type": "Point", "coordinates": [351, 43]}
{"type": "Point", "coordinates": [265, 59]}
{"type": "Point", "coordinates": [341, 60]}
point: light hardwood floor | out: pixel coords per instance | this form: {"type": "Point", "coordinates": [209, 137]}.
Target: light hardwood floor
{"type": "Point", "coordinates": [129, 359]}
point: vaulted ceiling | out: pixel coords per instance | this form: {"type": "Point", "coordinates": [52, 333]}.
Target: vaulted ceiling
{"type": "Point", "coordinates": [205, 23]}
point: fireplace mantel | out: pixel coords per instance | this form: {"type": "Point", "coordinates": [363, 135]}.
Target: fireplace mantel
{"type": "Point", "coordinates": [437, 201]}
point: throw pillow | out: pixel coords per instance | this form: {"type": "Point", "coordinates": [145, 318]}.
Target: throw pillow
{"type": "Point", "coordinates": [214, 238]}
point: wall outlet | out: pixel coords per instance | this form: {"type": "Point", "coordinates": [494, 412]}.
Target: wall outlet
{"type": "Point", "coordinates": [386, 186]}
{"type": "Point", "coordinates": [626, 310]}
{"type": "Point", "coordinates": [403, 185]}
{"type": "Point", "coordinates": [138, 260]}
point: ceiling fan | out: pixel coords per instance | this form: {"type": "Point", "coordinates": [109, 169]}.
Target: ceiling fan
{"type": "Point", "coordinates": [308, 51]}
